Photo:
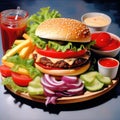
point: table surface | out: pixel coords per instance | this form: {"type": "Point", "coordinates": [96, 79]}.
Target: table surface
{"type": "Point", "coordinates": [106, 107]}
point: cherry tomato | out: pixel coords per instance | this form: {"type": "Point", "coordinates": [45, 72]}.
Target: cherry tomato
{"type": "Point", "coordinates": [102, 39]}
{"type": "Point", "coordinates": [21, 80]}
{"type": "Point", "coordinates": [54, 54]}
{"type": "Point", "coordinates": [112, 45]}
{"type": "Point", "coordinates": [5, 71]}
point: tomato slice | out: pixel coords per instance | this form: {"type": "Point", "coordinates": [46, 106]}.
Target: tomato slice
{"type": "Point", "coordinates": [94, 36]}
{"type": "Point", "coordinates": [5, 71]}
{"type": "Point", "coordinates": [102, 39]}
{"type": "Point", "coordinates": [54, 54]}
{"type": "Point", "coordinates": [48, 67]}
{"type": "Point", "coordinates": [20, 79]}
{"type": "Point", "coordinates": [112, 45]}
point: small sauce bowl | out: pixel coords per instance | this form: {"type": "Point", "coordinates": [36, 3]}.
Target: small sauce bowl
{"type": "Point", "coordinates": [108, 53]}
{"type": "Point", "coordinates": [108, 67]}
{"type": "Point", "coordinates": [96, 21]}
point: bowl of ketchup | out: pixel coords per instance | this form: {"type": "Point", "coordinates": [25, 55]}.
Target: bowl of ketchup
{"type": "Point", "coordinates": [106, 43]}
{"type": "Point", "coordinates": [108, 67]}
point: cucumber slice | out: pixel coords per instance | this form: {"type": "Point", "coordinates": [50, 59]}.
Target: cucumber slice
{"type": "Point", "coordinates": [89, 77]}
{"type": "Point", "coordinates": [35, 91]}
{"type": "Point", "coordinates": [35, 87]}
{"type": "Point", "coordinates": [35, 84]}
{"type": "Point", "coordinates": [94, 86]}
{"type": "Point", "coordinates": [105, 80]}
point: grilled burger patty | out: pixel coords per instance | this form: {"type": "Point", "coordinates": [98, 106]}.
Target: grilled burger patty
{"type": "Point", "coordinates": [61, 63]}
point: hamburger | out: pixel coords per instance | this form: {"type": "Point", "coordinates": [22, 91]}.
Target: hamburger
{"type": "Point", "coordinates": [58, 47]}
{"type": "Point", "coordinates": [61, 54]}
{"type": "Point", "coordinates": [66, 47]}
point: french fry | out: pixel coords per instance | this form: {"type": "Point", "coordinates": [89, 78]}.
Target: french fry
{"type": "Point", "coordinates": [20, 70]}
{"type": "Point", "coordinates": [30, 56]}
{"type": "Point", "coordinates": [15, 50]}
{"type": "Point", "coordinates": [18, 42]}
{"type": "Point", "coordinates": [25, 52]}
{"type": "Point", "coordinates": [9, 64]}
{"type": "Point", "coordinates": [27, 37]}
{"type": "Point", "coordinates": [30, 51]}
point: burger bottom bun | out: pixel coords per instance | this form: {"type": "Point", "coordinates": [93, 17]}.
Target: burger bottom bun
{"type": "Point", "coordinates": [62, 72]}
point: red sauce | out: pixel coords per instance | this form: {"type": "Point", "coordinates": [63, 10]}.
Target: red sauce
{"type": "Point", "coordinates": [11, 32]}
{"type": "Point", "coordinates": [107, 62]}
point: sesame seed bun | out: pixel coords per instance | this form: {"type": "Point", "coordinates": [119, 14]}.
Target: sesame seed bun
{"type": "Point", "coordinates": [64, 29]}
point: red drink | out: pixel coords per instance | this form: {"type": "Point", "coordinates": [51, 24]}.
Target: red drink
{"type": "Point", "coordinates": [12, 27]}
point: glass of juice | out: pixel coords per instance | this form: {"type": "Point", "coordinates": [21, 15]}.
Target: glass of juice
{"type": "Point", "coordinates": [13, 25]}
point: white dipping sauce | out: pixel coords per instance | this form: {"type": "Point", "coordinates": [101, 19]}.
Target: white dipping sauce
{"type": "Point", "coordinates": [96, 21]}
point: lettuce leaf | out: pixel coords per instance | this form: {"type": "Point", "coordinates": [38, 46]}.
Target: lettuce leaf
{"type": "Point", "coordinates": [9, 82]}
{"type": "Point", "coordinates": [63, 47]}
{"type": "Point", "coordinates": [24, 63]}
{"type": "Point", "coordinates": [40, 16]}
{"type": "Point", "coordinates": [68, 46]}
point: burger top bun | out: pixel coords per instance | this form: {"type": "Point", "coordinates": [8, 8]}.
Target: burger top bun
{"type": "Point", "coordinates": [64, 29]}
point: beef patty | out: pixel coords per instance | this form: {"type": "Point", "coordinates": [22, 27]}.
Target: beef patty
{"type": "Point", "coordinates": [62, 63]}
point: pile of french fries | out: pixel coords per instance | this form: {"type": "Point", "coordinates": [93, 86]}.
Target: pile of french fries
{"type": "Point", "coordinates": [23, 47]}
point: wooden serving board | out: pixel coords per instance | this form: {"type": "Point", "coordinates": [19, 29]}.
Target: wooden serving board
{"type": "Point", "coordinates": [66, 100]}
